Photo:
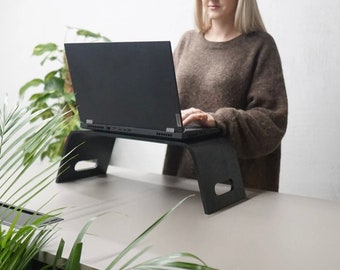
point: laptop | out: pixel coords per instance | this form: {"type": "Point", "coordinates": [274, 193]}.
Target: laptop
{"type": "Point", "coordinates": [128, 88]}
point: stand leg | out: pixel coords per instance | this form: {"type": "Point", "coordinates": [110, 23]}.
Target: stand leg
{"type": "Point", "coordinates": [85, 146]}
{"type": "Point", "coordinates": [216, 163]}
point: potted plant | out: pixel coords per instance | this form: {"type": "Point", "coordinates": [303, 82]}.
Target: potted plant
{"type": "Point", "coordinates": [21, 144]}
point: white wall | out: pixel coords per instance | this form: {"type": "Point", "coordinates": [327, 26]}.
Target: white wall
{"type": "Point", "coordinates": [306, 31]}
{"type": "Point", "coordinates": [308, 36]}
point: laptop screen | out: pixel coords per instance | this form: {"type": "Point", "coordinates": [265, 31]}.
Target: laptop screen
{"type": "Point", "coordinates": [126, 84]}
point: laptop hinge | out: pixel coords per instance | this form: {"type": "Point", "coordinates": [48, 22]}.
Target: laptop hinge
{"type": "Point", "coordinates": [178, 120]}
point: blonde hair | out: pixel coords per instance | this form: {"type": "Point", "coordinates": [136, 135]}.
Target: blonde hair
{"type": "Point", "coordinates": [247, 17]}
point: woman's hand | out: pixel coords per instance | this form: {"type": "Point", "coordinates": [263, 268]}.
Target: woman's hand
{"type": "Point", "coordinates": [198, 116]}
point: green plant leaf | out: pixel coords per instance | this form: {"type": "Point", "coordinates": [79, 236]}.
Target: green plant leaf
{"type": "Point", "coordinates": [73, 262]}
{"type": "Point", "coordinates": [31, 83]}
{"type": "Point", "coordinates": [69, 97]}
{"type": "Point", "coordinates": [58, 254]}
{"type": "Point", "coordinates": [41, 49]}
{"type": "Point", "coordinates": [172, 262]}
{"type": "Point", "coordinates": [18, 246]}
{"type": "Point", "coordinates": [143, 235]}
{"type": "Point", "coordinates": [38, 100]}
{"type": "Point", "coordinates": [87, 34]}
{"type": "Point", "coordinates": [134, 258]}
{"type": "Point", "coordinates": [56, 85]}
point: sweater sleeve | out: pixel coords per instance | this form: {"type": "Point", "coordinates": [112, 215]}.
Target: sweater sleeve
{"type": "Point", "coordinates": [257, 130]}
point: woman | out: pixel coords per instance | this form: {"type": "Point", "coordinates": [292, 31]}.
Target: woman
{"type": "Point", "coordinates": [229, 75]}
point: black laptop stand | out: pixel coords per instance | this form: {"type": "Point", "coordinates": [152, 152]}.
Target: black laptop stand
{"type": "Point", "coordinates": [214, 158]}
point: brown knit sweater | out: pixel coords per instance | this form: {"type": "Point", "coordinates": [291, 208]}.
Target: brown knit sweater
{"type": "Point", "coordinates": [241, 83]}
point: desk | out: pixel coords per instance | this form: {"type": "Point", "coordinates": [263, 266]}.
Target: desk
{"type": "Point", "coordinates": [269, 231]}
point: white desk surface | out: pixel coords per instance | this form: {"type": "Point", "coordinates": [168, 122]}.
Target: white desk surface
{"type": "Point", "coordinates": [269, 231]}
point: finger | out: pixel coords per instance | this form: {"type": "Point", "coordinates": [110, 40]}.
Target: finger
{"type": "Point", "coordinates": [187, 112]}
{"type": "Point", "coordinates": [200, 117]}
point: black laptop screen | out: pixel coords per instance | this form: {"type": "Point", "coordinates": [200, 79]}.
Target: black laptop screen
{"type": "Point", "coordinates": [129, 84]}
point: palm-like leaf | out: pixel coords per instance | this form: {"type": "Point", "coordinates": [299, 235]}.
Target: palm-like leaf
{"type": "Point", "coordinates": [20, 146]}
{"type": "Point", "coordinates": [180, 260]}
{"type": "Point", "coordinates": [163, 262]}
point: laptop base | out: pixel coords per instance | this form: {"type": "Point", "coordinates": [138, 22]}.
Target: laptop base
{"type": "Point", "coordinates": [215, 160]}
